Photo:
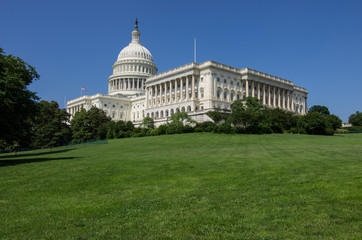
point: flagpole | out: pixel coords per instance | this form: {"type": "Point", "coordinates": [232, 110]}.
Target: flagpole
{"type": "Point", "coordinates": [80, 90]}
{"type": "Point", "coordinates": [195, 50]}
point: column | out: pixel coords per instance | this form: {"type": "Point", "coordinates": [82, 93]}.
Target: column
{"type": "Point", "coordinates": [164, 94]}
{"type": "Point", "coordinates": [252, 89]}
{"type": "Point", "coordinates": [214, 85]}
{"type": "Point", "coordinates": [193, 86]}
{"type": "Point", "coordinates": [258, 91]}
{"type": "Point", "coordinates": [288, 100]}
{"type": "Point", "coordinates": [247, 88]}
{"type": "Point", "coordinates": [274, 97]}
{"type": "Point", "coordinates": [176, 88]}
{"type": "Point", "coordinates": [181, 89]}
{"type": "Point", "coordinates": [147, 97]}
{"type": "Point", "coordinates": [292, 102]}
{"type": "Point", "coordinates": [269, 96]}
{"type": "Point", "coordinates": [279, 97]}
{"type": "Point", "coordinates": [156, 93]}
{"type": "Point", "coordinates": [171, 87]}
{"type": "Point", "coordinates": [128, 85]}
{"type": "Point", "coordinates": [264, 94]}
{"type": "Point", "coordinates": [187, 89]}
{"type": "Point", "coordinates": [284, 99]}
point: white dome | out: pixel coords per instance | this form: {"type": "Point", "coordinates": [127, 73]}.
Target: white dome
{"type": "Point", "coordinates": [135, 51]}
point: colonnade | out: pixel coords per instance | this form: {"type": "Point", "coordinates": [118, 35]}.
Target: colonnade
{"type": "Point", "coordinates": [269, 95]}
{"type": "Point", "coordinates": [75, 109]}
{"type": "Point", "coordinates": [172, 91]}
{"type": "Point", "coordinates": [126, 84]}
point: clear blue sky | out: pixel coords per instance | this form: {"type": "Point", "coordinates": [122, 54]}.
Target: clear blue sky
{"type": "Point", "coordinates": [316, 44]}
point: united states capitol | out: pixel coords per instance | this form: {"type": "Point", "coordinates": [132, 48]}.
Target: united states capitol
{"type": "Point", "coordinates": [135, 90]}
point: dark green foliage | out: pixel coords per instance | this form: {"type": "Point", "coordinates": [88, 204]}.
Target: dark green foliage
{"type": "Point", "coordinates": [217, 116]}
{"type": "Point", "coordinates": [206, 126]}
{"type": "Point", "coordinates": [50, 125]}
{"type": "Point", "coordinates": [320, 109]}
{"type": "Point", "coordinates": [248, 113]}
{"type": "Point", "coordinates": [17, 103]}
{"type": "Point", "coordinates": [224, 128]}
{"type": "Point", "coordinates": [333, 122]}
{"type": "Point", "coordinates": [314, 123]}
{"type": "Point", "coordinates": [148, 122]}
{"type": "Point", "coordinates": [198, 129]}
{"type": "Point", "coordinates": [279, 120]}
{"type": "Point", "coordinates": [87, 125]}
{"type": "Point", "coordinates": [161, 130]}
{"type": "Point", "coordinates": [356, 119]}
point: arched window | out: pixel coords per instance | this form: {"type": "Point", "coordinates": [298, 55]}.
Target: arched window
{"type": "Point", "coordinates": [166, 113]}
{"type": "Point", "coordinates": [172, 112]}
{"type": "Point", "coordinates": [225, 95]}
{"type": "Point", "coordinates": [161, 114]}
{"type": "Point", "coordinates": [177, 110]}
{"type": "Point", "coordinates": [188, 108]}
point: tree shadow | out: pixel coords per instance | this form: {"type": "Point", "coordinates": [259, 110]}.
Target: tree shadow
{"type": "Point", "coordinates": [13, 162]}
{"type": "Point", "coordinates": [29, 153]}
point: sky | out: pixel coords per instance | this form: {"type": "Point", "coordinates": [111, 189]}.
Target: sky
{"type": "Point", "coordinates": [316, 44]}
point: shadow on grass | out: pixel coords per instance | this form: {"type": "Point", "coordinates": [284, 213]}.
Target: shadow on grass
{"type": "Point", "coordinates": [29, 153]}
{"type": "Point", "coordinates": [13, 162]}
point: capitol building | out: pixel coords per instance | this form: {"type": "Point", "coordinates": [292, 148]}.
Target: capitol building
{"type": "Point", "coordinates": [135, 90]}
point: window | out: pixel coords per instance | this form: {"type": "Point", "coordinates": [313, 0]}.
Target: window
{"type": "Point", "coordinates": [114, 106]}
{"type": "Point", "coordinates": [105, 104]}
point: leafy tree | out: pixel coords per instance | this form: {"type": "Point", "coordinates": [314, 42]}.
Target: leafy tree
{"type": "Point", "coordinates": [333, 121]}
{"type": "Point", "coordinates": [313, 123]}
{"type": "Point", "coordinates": [50, 125]}
{"type": "Point", "coordinates": [180, 123]}
{"type": "Point", "coordinates": [279, 120]}
{"type": "Point", "coordinates": [17, 103]}
{"type": "Point", "coordinates": [356, 119]}
{"type": "Point", "coordinates": [248, 113]}
{"type": "Point", "coordinates": [148, 122]}
{"type": "Point", "coordinates": [86, 125]}
{"type": "Point", "coordinates": [217, 116]}
{"type": "Point", "coordinates": [321, 109]}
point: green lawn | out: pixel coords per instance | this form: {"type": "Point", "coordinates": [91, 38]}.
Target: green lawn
{"type": "Point", "coordinates": [190, 186]}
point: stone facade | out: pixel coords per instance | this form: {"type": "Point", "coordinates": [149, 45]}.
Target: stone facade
{"type": "Point", "coordinates": [135, 90]}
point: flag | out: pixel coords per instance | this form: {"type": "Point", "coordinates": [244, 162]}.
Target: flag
{"type": "Point", "coordinates": [83, 89]}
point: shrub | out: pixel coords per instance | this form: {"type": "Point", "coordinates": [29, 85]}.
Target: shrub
{"type": "Point", "coordinates": [341, 131]}
{"type": "Point", "coordinates": [161, 130]}
{"type": "Point", "coordinates": [198, 129]}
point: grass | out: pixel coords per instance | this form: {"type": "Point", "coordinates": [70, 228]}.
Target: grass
{"type": "Point", "coordinates": [191, 186]}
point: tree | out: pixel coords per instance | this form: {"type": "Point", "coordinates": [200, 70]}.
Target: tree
{"type": "Point", "coordinates": [148, 122]}
{"type": "Point", "coordinates": [356, 119]}
{"type": "Point", "coordinates": [217, 116]}
{"type": "Point", "coordinates": [313, 123]}
{"type": "Point", "coordinates": [50, 125]}
{"type": "Point", "coordinates": [279, 120]}
{"type": "Point", "coordinates": [333, 121]}
{"type": "Point", "coordinates": [87, 125]}
{"type": "Point", "coordinates": [17, 103]}
{"type": "Point", "coordinates": [321, 109]}
{"type": "Point", "coordinates": [248, 113]}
